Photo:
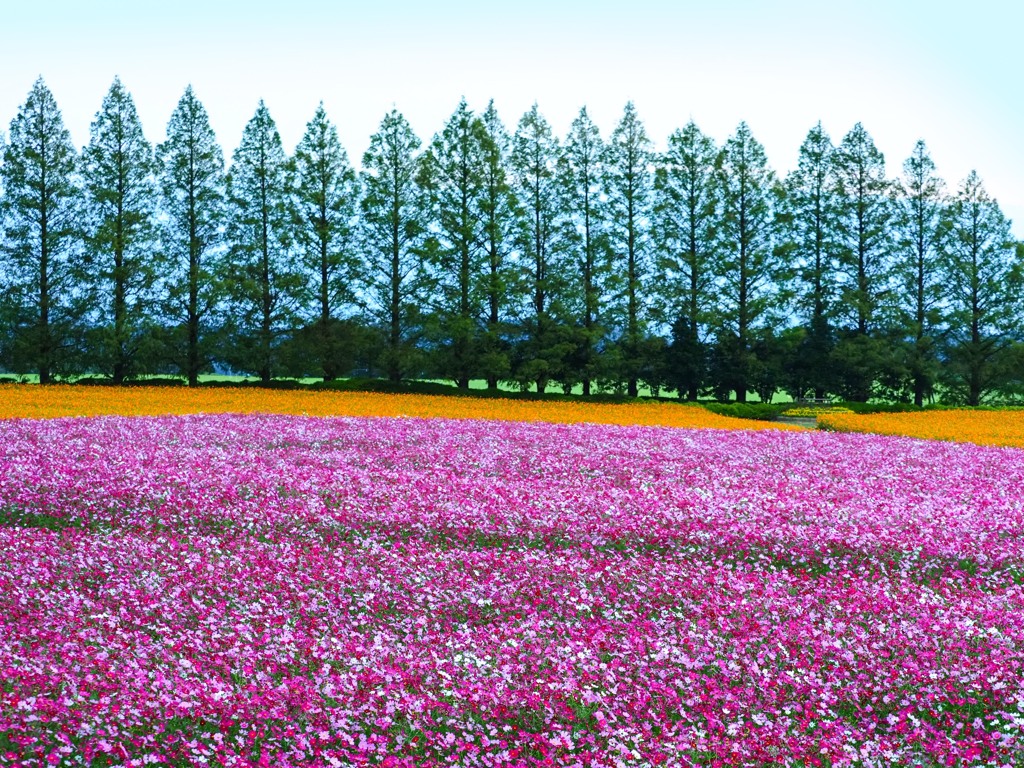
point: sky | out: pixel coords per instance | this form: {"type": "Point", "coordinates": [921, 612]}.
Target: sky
{"type": "Point", "coordinates": [948, 73]}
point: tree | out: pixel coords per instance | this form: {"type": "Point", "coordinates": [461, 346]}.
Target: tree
{"type": "Point", "coordinates": [500, 214]}
{"type": "Point", "coordinates": [191, 167]}
{"type": "Point", "coordinates": [581, 171]}
{"type": "Point", "coordinates": [453, 175]}
{"type": "Point", "coordinates": [917, 267]}
{"type": "Point", "coordinates": [774, 355]}
{"type": "Point", "coordinates": [864, 254]}
{"type": "Point", "coordinates": [265, 280]}
{"type": "Point", "coordinates": [394, 224]}
{"type": "Point", "coordinates": [810, 218]}
{"type": "Point", "coordinates": [119, 170]}
{"type": "Point", "coordinates": [750, 271]}
{"type": "Point", "coordinates": [685, 365]}
{"type": "Point", "coordinates": [982, 281]}
{"type": "Point", "coordinates": [325, 203]}
{"type": "Point", "coordinates": [686, 210]}
{"type": "Point", "coordinates": [39, 213]}
{"type": "Point", "coordinates": [533, 161]}
{"type": "Point", "coordinates": [628, 187]}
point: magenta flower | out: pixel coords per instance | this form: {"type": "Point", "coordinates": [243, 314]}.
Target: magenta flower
{"type": "Point", "coordinates": [271, 590]}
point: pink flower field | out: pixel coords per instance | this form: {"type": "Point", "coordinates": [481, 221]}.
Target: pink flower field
{"type": "Point", "coordinates": [281, 590]}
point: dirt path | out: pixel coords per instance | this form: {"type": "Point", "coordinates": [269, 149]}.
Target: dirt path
{"type": "Point", "coordinates": [807, 422]}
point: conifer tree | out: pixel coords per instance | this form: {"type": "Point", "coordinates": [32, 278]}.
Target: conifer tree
{"type": "Point", "coordinates": [326, 201]}
{"type": "Point", "coordinates": [811, 219]}
{"type": "Point", "coordinates": [394, 224]}
{"type": "Point", "coordinates": [265, 281]}
{"type": "Point", "coordinates": [119, 170]}
{"type": "Point", "coordinates": [40, 248]}
{"type": "Point", "coordinates": [982, 282]}
{"type": "Point", "coordinates": [581, 174]}
{"type": "Point", "coordinates": [918, 269]}
{"type": "Point", "coordinates": [628, 186]}
{"type": "Point", "coordinates": [533, 161]}
{"type": "Point", "coordinates": [454, 177]}
{"type": "Point", "coordinates": [749, 271]}
{"type": "Point", "coordinates": [865, 254]}
{"type": "Point", "coordinates": [191, 167]}
{"type": "Point", "coordinates": [687, 203]}
{"type": "Point", "coordinates": [864, 218]}
{"type": "Point", "coordinates": [500, 215]}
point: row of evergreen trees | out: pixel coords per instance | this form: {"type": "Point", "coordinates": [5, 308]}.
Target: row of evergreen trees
{"type": "Point", "coordinates": [506, 257]}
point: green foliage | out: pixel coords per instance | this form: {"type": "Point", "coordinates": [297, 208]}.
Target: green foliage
{"type": "Point", "coordinates": [728, 365]}
{"type": "Point", "coordinates": [517, 259]}
{"type": "Point", "coordinates": [264, 279]}
{"type": "Point", "coordinates": [810, 217]}
{"type": "Point", "coordinates": [325, 200]}
{"type": "Point", "coordinates": [394, 224]}
{"type": "Point", "coordinates": [409, 386]}
{"type": "Point", "coordinates": [453, 173]}
{"type": "Point", "coordinates": [858, 361]}
{"type": "Point", "coordinates": [865, 211]}
{"type": "Point", "coordinates": [858, 407]}
{"type": "Point", "coordinates": [685, 219]}
{"type": "Point", "coordinates": [581, 171]}
{"type": "Point", "coordinates": [543, 357]}
{"type": "Point", "coordinates": [40, 257]}
{"type": "Point", "coordinates": [755, 411]}
{"type": "Point", "coordinates": [500, 214]}
{"type": "Point", "coordinates": [192, 186]}
{"type": "Point", "coordinates": [774, 357]}
{"type": "Point", "coordinates": [982, 284]}
{"type": "Point", "coordinates": [533, 164]}
{"type": "Point", "coordinates": [684, 366]}
{"type": "Point", "coordinates": [1009, 372]}
{"type": "Point", "coordinates": [119, 170]}
{"type": "Point", "coordinates": [864, 261]}
{"type": "Point", "coordinates": [750, 270]}
{"type": "Point", "coordinates": [22, 518]}
{"type": "Point", "coordinates": [918, 271]}
{"type": "Point", "coordinates": [628, 188]}
{"type": "Point", "coordinates": [340, 346]}
{"type": "Point", "coordinates": [649, 362]}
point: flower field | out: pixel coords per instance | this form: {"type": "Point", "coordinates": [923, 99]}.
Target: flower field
{"type": "Point", "coordinates": [42, 402]}
{"type": "Point", "coordinates": [1003, 427]}
{"type": "Point", "coordinates": [279, 590]}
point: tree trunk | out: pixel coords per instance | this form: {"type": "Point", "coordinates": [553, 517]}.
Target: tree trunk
{"type": "Point", "coordinates": [589, 290]}
{"type": "Point", "coordinates": [44, 303]}
{"type": "Point", "coordinates": [119, 317]}
{"type": "Point", "coordinates": [492, 320]}
{"type": "Point", "coordinates": [120, 294]}
{"type": "Point", "coordinates": [395, 336]}
{"type": "Point", "coordinates": [265, 325]}
{"type": "Point", "coordinates": [192, 352]}
{"type": "Point", "coordinates": [632, 308]}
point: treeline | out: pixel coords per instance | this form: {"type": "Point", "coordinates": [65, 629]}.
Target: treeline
{"type": "Point", "coordinates": [510, 256]}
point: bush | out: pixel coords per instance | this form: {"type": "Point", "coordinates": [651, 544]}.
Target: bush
{"type": "Point", "coordinates": [877, 407]}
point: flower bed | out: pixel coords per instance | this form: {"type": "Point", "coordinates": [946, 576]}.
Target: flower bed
{"type": "Point", "coordinates": [815, 411]}
{"type": "Point", "coordinates": [1002, 427]}
{"type": "Point", "coordinates": [274, 590]}
{"type": "Point", "coordinates": [31, 401]}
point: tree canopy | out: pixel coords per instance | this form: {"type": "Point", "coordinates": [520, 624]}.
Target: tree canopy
{"type": "Point", "coordinates": [595, 262]}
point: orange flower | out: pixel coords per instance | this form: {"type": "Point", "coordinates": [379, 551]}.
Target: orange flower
{"type": "Point", "coordinates": [40, 402]}
{"type": "Point", "coordinates": [982, 427]}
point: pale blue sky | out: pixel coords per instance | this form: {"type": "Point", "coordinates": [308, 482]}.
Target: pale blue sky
{"type": "Point", "coordinates": [948, 73]}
